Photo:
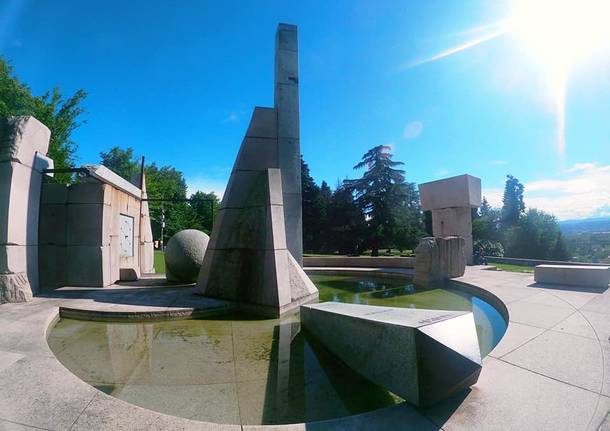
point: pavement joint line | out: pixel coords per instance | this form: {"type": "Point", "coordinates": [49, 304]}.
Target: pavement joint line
{"type": "Point", "coordinates": [25, 425]}
{"type": "Point", "coordinates": [83, 411]}
{"type": "Point", "coordinates": [549, 377]}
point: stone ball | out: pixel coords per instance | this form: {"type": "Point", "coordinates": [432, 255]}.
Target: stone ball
{"type": "Point", "coordinates": [184, 255]}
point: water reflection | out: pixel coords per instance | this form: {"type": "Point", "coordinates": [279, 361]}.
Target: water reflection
{"type": "Point", "coordinates": [240, 369]}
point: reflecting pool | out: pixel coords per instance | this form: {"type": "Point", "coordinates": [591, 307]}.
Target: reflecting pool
{"type": "Point", "coordinates": [242, 369]}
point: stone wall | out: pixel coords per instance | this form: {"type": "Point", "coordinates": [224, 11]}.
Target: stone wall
{"type": "Point", "coordinates": [24, 143]}
{"type": "Point", "coordinates": [80, 234]}
{"type": "Point", "coordinates": [359, 261]}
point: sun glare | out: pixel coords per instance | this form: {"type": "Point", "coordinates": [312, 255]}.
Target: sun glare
{"type": "Point", "coordinates": [558, 34]}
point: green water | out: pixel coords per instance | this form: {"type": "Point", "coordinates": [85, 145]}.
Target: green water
{"type": "Point", "coordinates": [241, 369]}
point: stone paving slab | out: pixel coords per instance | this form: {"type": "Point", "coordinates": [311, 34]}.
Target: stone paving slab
{"type": "Point", "coordinates": [549, 372]}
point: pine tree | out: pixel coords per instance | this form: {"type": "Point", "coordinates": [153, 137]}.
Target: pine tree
{"type": "Point", "coordinates": [375, 193]}
{"type": "Point", "coordinates": [513, 206]}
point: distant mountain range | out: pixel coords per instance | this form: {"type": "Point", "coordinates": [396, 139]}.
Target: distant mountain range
{"type": "Point", "coordinates": [596, 224]}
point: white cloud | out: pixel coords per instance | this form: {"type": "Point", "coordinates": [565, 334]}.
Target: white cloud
{"type": "Point", "coordinates": [413, 129]}
{"type": "Point", "coordinates": [207, 185]}
{"type": "Point", "coordinates": [582, 191]}
{"type": "Point", "coordinates": [232, 117]}
{"type": "Point", "coordinates": [493, 196]}
{"type": "Point", "coordinates": [442, 172]}
{"type": "Point", "coordinates": [498, 162]}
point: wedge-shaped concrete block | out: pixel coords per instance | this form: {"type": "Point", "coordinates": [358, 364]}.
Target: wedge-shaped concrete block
{"type": "Point", "coordinates": [423, 356]}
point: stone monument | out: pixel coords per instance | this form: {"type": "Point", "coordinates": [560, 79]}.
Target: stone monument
{"type": "Point", "coordinates": [24, 142]}
{"type": "Point", "coordinates": [255, 247]}
{"type": "Point", "coordinates": [423, 356]}
{"type": "Point", "coordinates": [451, 201]}
{"type": "Point", "coordinates": [437, 259]}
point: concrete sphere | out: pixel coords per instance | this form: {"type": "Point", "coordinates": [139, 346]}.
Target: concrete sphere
{"type": "Point", "coordinates": [184, 255]}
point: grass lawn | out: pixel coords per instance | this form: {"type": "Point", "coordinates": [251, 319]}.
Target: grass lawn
{"type": "Point", "coordinates": [513, 268]}
{"type": "Point", "coordinates": [159, 262]}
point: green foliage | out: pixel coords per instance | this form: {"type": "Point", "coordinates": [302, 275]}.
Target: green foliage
{"type": "Point", "coordinates": [61, 115]}
{"type": "Point", "coordinates": [535, 236]}
{"type": "Point", "coordinates": [513, 205]}
{"type": "Point", "coordinates": [205, 208]}
{"type": "Point", "coordinates": [121, 161]}
{"type": "Point", "coordinates": [490, 248]}
{"type": "Point", "coordinates": [165, 182]}
{"type": "Point", "coordinates": [378, 210]}
{"type": "Point", "coordinates": [589, 246]}
{"type": "Point", "coordinates": [385, 199]}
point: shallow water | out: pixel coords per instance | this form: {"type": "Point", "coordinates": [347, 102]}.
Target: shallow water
{"type": "Point", "coordinates": [241, 369]}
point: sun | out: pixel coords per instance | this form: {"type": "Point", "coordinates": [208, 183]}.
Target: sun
{"type": "Point", "coordinates": [560, 34]}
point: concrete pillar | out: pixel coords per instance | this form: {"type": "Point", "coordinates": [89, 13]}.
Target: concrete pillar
{"type": "Point", "coordinates": [289, 151]}
{"type": "Point", "coordinates": [24, 142]}
{"type": "Point", "coordinates": [450, 200]}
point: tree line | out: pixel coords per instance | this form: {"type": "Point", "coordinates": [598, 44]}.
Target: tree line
{"type": "Point", "coordinates": [379, 210]}
{"type": "Point", "coordinates": [513, 231]}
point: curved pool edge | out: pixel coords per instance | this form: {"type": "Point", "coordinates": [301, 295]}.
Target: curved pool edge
{"type": "Point", "coordinates": [40, 392]}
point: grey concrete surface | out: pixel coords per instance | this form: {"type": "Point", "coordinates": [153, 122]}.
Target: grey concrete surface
{"type": "Point", "coordinates": [523, 384]}
{"type": "Point", "coordinates": [571, 275]}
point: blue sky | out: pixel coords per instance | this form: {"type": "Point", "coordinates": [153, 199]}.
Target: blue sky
{"type": "Point", "coordinates": [177, 81]}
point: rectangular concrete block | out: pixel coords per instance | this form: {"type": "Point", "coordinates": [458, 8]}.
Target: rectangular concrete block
{"type": "Point", "coordinates": [20, 199]}
{"type": "Point", "coordinates": [243, 186]}
{"type": "Point", "coordinates": [585, 276]}
{"type": "Point", "coordinates": [88, 266]}
{"type": "Point", "coordinates": [21, 137]}
{"type": "Point", "coordinates": [287, 104]}
{"type": "Point", "coordinates": [263, 123]}
{"type": "Point", "coordinates": [459, 191]}
{"type": "Point", "coordinates": [54, 193]}
{"type": "Point", "coordinates": [85, 225]}
{"type": "Point", "coordinates": [115, 258]}
{"type": "Point", "coordinates": [258, 154]}
{"type": "Point", "coordinates": [52, 227]}
{"type": "Point", "coordinates": [52, 266]}
{"type": "Point", "coordinates": [88, 193]}
{"type": "Point", "coordinates": [290, 162]}
{"type": "Point", "coordinates": [108, 177]}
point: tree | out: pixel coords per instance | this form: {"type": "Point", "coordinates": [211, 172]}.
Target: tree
{"type": "Point", "coordinates": [309, 194]}
{"type": "Point", "coordinates": [347, 226]}
{"type": "Point", "coordinates": [535, 236]}
{"type": "Point", "coordinates": [513, 205]}
{"type": "Point", "coordinates": [375, 193]}
{"type": "Point", "coordinates": [205, 207]}
{"type": "Point", "coordinates": [121, 161]}
{"type": "Point", "coordinates": [560, 249]}
{"type": "Point", "coordinates": [61, 115]}
{"type": "Point", "coordinates": [487, 226]}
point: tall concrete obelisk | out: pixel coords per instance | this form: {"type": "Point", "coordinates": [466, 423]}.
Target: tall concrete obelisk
{"type": "Point", "coordinates": [255, 252]}
{"type": "Point", "coordinates": [287, 108]}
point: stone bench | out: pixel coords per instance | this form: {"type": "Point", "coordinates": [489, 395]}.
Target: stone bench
{"type": "Point", "coordinates": [587, 276]}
